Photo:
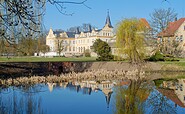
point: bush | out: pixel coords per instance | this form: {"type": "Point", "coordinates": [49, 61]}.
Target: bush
{"type": "Point", "coordinates": [87, 53]}
{"type": "Point", "coordinates": [157, 57]}
{"type": "Point", "coordinates": [170, 59]}
{"type": "Point", "coordinates": [103, 50]}
{"type": "Point", "coordinates": [105, 58]}
{"type": "Point", "coordinates": [160, 57]}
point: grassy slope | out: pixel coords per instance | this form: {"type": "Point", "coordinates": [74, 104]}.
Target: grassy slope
{"type": "Point", "coordinates": [44, 59]}
{"type": "Point", "coordinates": [166, 66]}
{"type": "Point", "coordinates": [174, 65]}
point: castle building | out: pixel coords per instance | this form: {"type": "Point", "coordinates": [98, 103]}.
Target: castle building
{"type": "Point", "coordinates": [75, 43]}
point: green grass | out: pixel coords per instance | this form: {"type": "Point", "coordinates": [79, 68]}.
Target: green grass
{"type": "Point", "coordinates": [44, 59]}
{"type": "Point", "coordinates": [181, 62]}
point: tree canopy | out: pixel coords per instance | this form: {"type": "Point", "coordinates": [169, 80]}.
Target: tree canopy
{"type": "Point", "coordinates": [23, 19]}
{"type": "Point", "coordinates": [130, 39]}
{"type": "Point", "coordinates": [160, 18]}
{"type": "Point", "coordinates": [103, 50]}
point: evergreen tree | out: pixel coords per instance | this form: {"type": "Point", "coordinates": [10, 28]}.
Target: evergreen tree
{"type": "Point", "coordinates": [103, 50]}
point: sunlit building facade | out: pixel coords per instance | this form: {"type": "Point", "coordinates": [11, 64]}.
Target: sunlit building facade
{"type": "Point", "coordinates": [75, 43]}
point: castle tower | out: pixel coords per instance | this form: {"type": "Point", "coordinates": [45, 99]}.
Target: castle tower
{"type": "Point", "coordinates": [108, 21]}
{"type": "Point", "coordinates": [108, 93]}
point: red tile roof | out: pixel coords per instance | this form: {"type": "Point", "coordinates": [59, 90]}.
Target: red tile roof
{"type": "Point", "coordinates": [172, 28]}
{"type": "Point", "coordinates": [145, 22]}
{"type": "Point", "coordinates": [170, 94]}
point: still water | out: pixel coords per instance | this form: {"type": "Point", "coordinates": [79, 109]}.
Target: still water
{"type": "Point", "coordinates": [96, 97]}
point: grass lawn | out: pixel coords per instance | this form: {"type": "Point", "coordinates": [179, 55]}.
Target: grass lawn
{"type": "Point", "coordinates": [44, 59]}
{"type": "Point", "coordinates": [178, 63]}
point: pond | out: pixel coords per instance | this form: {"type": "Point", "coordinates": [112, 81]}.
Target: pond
{"type": "Point", "coordinates": [96, 97]}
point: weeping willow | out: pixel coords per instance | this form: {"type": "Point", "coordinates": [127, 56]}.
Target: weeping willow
{"type": "Point", "coordinates": [130, 40]}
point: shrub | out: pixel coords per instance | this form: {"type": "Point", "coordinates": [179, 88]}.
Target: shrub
{"type": "Point", "coordinates": [157, 57]}
{"type": "Point", "coordinates": [160, 57]}
{"type": "Point", "coordinates": [103, 50]}
{"type": "Point", "coordinates": [87, 53]}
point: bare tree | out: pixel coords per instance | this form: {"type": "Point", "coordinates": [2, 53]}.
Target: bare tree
{"type": "Point", "coordinates": [60, 46]}
{"type": "Point", "coordinates": [160, 19]}
{"type": "Point", "coordinates": [22, 18]}
{"type": "Point", "coordinates": [44, 48]}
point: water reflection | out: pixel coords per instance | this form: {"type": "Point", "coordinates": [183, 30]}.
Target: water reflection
{"type": "Point", "coordinates": [11, 102]}
{"type": "Point", "coordinates": [128, 96]}
{"type": "Point", "coordinates": [173, 89]}
{"type": "Point", "coordinates": [87, 87]}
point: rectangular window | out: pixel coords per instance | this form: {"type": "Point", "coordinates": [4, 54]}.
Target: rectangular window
{"type": "Point", "coordinates": [184, 27]}
{"type": "Point", "coordinates": [181, 38]}
{"type": "Point", "coordinates": [73, 48]}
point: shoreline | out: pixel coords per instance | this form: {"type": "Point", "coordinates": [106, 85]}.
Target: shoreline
{"type": "Point", "coordinates": [56, 68]}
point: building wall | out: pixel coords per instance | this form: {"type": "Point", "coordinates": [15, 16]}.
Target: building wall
{"type": "Point", "coordinates": [180, 33]}
{"type": "Point", "coordinates": [80, 42]}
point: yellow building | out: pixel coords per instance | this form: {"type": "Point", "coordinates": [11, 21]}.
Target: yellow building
{"type": "Point", "coordinates": [175, 31]}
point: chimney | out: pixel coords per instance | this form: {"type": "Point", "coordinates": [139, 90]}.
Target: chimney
{"type": "Point", "coordinates": [175, 18]}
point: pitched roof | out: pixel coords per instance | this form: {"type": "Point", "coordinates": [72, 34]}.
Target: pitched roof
{"type": "Point", "coordinates": [145, 22]}
{"type": "Point", "coordinates": [108, 22]}
{"type": "Point", "coordinates": [57, 32]}
{"type": "Point", "coordinates": [172, 28]}
{"type": "Point", "coordinates": [69, 34]}
{"type": "Point", "coordinates": [170, 94]}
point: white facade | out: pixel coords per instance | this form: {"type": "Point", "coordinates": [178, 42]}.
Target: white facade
{"type": "Point", "coordinates": [76, 43]}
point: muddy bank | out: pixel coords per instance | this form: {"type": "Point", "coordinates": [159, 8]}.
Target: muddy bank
{"type": "Point", "coordinates": [56, 68]}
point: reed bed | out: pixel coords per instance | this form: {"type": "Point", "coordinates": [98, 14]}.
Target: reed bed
{"type": "Point", "coordinates": [96, 75]}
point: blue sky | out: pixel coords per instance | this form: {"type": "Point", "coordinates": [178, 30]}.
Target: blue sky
{"type": "Point", "coordinates": [119, 9]}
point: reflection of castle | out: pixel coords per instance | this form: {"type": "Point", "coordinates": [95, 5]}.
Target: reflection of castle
{"type": "Point", "coordinates": [50, 86]}
{"type": "Point", "coordinates": [175, 91]}
{"type": "Point", "coordinates": [104, 86]}
{"type": "Point", "coordinates": [87, 87]}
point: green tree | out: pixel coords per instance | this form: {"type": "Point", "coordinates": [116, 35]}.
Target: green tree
{"type": "Point", "coordinates": [130, 40]}
{"type": "Point", "coordinates": [131, 99]}
{"type": "Point", "coordinates": [103, 50]}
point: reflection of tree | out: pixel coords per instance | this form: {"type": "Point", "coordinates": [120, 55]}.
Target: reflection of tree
{"type": "Point", "coordinates": [27, 104]}
{"type": "Point", "coordinates": [160, 104]}
{"type": "Point", "coordinates": [130, 100]}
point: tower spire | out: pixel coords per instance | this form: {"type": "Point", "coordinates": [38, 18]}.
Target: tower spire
{"type": "Point", "coordinates": [108, 22]}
